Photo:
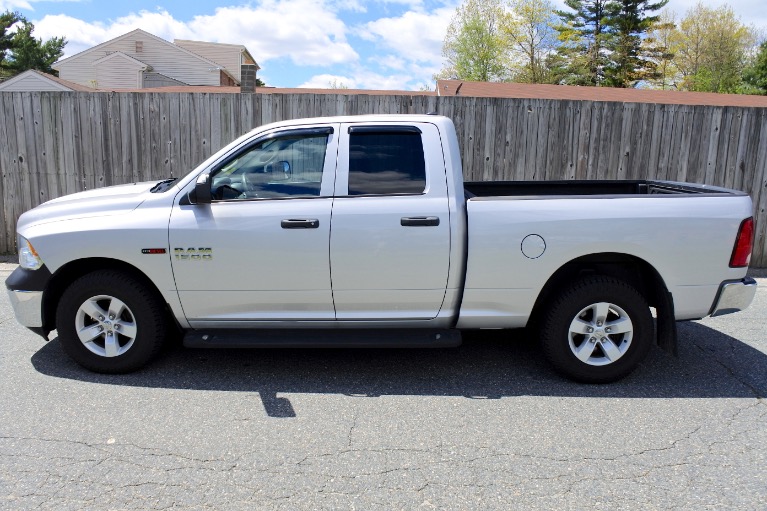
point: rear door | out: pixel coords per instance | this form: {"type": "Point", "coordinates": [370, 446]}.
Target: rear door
{"type": "Point", "coordinates": [390, 230]}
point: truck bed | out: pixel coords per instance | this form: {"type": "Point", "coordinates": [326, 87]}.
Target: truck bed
{"type": "Point", "coordinates": [527, 189]}
{"type": "Point", "coordinates": [518, 231]}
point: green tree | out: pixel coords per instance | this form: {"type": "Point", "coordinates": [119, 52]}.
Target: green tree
{"type": "Point", "coordinates": [662, 34]}
{"type": "Point", "coordinates": [530, 28]}
{"type": "Point", "coordinates": [28, 52]}
{"type": "Point", "coordinates": [335, 84]}
{"type": "Point", "coordinates": [476, 46]}
{"type": "Point", "coordinates": [7, 19]}
{"type": "Point", "coordinates": [711, 47]}
{"type": "Point", "coordinates": [585, 37]}
{"type": "Point", "coordinates": [20, 50]}
{"type": "Point", "coordinates": [755, 75]}
{"type": "Point", "coordinates": [632, 52]}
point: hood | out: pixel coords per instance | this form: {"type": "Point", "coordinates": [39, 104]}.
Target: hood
{"type": "Point", "coordinates": [110, 200]}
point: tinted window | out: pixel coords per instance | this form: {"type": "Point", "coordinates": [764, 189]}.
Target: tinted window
{"type": "Point", "coordinates": [385, 163]}
{"type": "Point", "coordinates": [285, 166]}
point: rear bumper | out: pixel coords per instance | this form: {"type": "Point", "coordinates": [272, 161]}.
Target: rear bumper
{"type": "Point", "coordinates": [734, 296]}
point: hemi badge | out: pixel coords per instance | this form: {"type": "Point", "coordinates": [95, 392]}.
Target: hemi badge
{"type": "Point", "coordinates": [153, 250]}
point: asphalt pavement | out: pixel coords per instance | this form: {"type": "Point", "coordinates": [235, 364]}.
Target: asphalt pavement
{"type": "Point", "coordinates": [484, 426]}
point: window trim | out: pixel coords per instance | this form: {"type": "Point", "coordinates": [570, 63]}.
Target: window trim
{"type": "Point", "coordinates": [384, 129]}
{"type": "Point", "coordinates": [387, 130]}
{"type": "Point", "coordinates": [398, 194]}
{"type": "Point", "coordinates": [319, 130]}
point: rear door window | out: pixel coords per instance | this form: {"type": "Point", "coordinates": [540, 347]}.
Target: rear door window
{"type": "Point", "coordinates": [386, 160]}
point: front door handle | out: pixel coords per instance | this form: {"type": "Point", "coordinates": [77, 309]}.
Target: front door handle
{"type": "Point", "coordinates": [419, 221]}
{"type": "Point", "coordinates": [300, 223]}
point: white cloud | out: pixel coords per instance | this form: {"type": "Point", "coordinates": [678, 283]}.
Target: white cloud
{"type": "Point", "coordinates": [306, 31]}
{"type": "Point", "coordinates": [361, 78]}
{"type": "Point", "coordinates": [412, 4]}
{"type": "Point", "coordinates": [82, 35]}
{"type": "Point", "coordinates": [14, 5]}
{"type": "Point", "coordinates": [348, 5]}
{"type": "Point", "coordinates": [415, 41]}
{"type": "Point", "coordinates": [389, 62]}
{"type": "Point", "coordinates": [325, 81]}
{"type": "Point", "coordinates": [414, 36]}
{"type": "Point", "coordinates": [370, 80]}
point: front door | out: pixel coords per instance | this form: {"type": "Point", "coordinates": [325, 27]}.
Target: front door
{"type": "Point", "coordinates": [260, 250]}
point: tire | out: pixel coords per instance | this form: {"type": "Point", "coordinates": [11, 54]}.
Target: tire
{"type": "Point", "coordinates": [597, 331]}
{"type": "Point", "coordinates": [120, 342]}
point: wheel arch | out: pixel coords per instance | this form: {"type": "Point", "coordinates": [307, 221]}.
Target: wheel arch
{"type": "Point", "coordinates": [73, 270]}
{"type": "Point", "coordinates": [633, 270]}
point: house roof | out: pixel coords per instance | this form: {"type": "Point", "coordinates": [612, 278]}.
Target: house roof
{"type": "Point", "coordinates": [124, 56]}
{"type": "Point", "coordinates": [240, 47]}
{"type": "Point", "coordinates": [541, 91]}
{"type": "Point", "coordinates": [127, 34]}
{"type": "Point", "coordinates": [55, 81]}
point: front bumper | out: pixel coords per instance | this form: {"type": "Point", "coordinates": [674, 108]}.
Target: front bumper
{"type": "Point", "coordinates": [734, 296]}
{"type": "Point", "coordinates": [25, 289]}
{"type": "Point", "coordinates": [28, 307]}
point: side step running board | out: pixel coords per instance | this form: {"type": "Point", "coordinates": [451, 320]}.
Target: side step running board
{"type": "Point", "coordinates": [336, 338]}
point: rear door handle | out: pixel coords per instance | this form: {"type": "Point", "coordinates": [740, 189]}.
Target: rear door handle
{"type": "Point", "coordinates": [419, 221]}
{"type": "Point", "coordinates": [300, 223]}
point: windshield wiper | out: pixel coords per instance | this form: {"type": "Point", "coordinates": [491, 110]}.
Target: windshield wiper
{"type": "Point", "coordinates": [163, 185]}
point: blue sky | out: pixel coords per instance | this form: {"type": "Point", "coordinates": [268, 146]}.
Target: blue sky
{"type": "Point", "coordinates": [383, 44]}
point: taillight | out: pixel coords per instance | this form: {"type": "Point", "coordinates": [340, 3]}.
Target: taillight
{"type": "Point", "coordinates": [741, 254]}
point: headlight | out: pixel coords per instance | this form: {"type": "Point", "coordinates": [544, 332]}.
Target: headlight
{"type": "Point", "coordinates": [28, 257]}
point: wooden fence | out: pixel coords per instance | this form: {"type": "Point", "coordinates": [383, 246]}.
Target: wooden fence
{"type": "Point", "coordinates": [55, 143]}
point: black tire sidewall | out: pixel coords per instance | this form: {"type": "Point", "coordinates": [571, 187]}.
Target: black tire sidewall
{"type": "Point", "coordinates": [143, 304]}
{"type": "Point", "coordinates": [587, 291]}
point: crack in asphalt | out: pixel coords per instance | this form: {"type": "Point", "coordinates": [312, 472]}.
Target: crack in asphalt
{"type": "Point", "coordinates": [709, 355]}
{"type": "Point", "coordinates": [351, 429]}
{"type": "Point", "coordinates": [147, 476]}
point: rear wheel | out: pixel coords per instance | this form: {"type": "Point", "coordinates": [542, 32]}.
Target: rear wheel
{"type": "Point", "coordinates": [597, 331]}
{"type": "Point", "coordinates": [109, 322]}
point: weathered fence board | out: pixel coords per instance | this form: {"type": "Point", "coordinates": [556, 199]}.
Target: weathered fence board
{"type": "Point", "coordinates": [54, 143]}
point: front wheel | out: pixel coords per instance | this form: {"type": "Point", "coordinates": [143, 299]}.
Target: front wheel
{"type": "Point", "coordinates": [109, 322]}
{"type": "Point", "coordinates": [597, 331]}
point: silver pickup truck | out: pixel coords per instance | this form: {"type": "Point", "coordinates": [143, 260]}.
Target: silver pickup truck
{"type": "Point", "coordinates": [359, 231]}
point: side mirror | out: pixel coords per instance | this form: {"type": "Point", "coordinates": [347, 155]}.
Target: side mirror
{"type": "Point", "coordinates": [202, 190]}
{"type": "Point", "coordinates": [280, 170]}
{"type": "Point", "coordinates": [285, 167]}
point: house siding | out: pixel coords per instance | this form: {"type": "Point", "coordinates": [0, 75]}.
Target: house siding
{"type": "Point", "coordinates": [226, 55]}
{"type": "Point", "coordinates": [118, 73]}
{"type": "Point", "coordinates": [31, 83]}
{"type": "Point", "coordinates": [163, 58]}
